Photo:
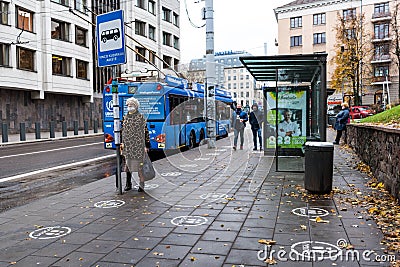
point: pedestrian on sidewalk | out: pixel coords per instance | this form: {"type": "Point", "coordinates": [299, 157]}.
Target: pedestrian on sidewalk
{"type": "Point", "coordinates": [256, 119]}
{"type": "Point", "coordinates": [136, 141]}
{"type": "Point", "coordinates": [239, 118]}
{"type": "Point", "coordinates": [341, 120]}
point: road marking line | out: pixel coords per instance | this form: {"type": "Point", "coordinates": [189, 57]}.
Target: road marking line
{"type": "Point", "coordinates": [50, 150]}
{"type": "Point", "coordinates": [54, 168]}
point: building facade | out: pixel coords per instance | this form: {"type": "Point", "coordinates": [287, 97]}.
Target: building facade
{"type": "Point", "coordinates": [48, 56]}
{"type": "Point", "coordinates": [230, 75]}
{"type": "Point", "coordinates": [308, 26]}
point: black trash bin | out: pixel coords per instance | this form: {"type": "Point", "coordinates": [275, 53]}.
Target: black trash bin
{"type": "Point", "coordinates": [318, 167]}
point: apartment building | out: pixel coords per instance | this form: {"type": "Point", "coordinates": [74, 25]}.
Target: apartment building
{"type": "Point", "coordinates": [155, 30]}
{"type": "Point", "coordinates": [308, 26]}
{"type": "Point", "coordinates": [230, 75]}
{"type": "Point", "coordinates": [48, 56]}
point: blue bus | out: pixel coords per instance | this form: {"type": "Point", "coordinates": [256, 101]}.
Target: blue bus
{"type": "Point", "coordinates": [173, 110]}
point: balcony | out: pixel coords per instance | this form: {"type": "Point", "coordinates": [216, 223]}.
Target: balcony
{"type": "Point", "coordinates": [381, 38]}
{"type": "Point", "coordinates": [380, 80]}
{"type": "Point", "coordinates": [381, 59]}
{"type": "Point", "coordinates": [381, 16]}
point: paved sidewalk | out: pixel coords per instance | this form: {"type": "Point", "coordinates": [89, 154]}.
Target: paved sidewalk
{"type": "Point", "coordinates": [206, 207]}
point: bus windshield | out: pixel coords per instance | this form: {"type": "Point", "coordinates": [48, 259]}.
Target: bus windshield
{"type": "Point", "coordinates": [151, 106]}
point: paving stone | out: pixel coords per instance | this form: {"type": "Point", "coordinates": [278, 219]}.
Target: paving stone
{"type": "Point", "coordinates": [125, 255]}
{"type": "Point", "coordinates": [81, 259]}
{"type": "Point", "coordinates": [181, 239]}
{"type": "Point", "coordinates": [99, 246]}
{"type": "Point", "coordinates": [56, 249]}
{"type": "Point", "coordinates": [169, 251]}
{"type": "Point", "coordinates": [35, 261]}
{"type": "Point", "coordinates": [202, 260]}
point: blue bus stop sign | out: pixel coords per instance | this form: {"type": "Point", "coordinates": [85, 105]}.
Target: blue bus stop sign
{"type": "Point", "coordinates": [110, 39]}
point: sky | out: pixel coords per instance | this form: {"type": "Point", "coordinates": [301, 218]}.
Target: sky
{"type": "Point", "coordinates": [238, 25]}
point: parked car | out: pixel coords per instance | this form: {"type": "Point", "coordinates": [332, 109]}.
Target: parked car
{"type": "Point", "coordinates": [359, 112]}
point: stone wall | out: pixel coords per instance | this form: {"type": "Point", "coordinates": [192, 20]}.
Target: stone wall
{"type": "Point", "coordinates": [379, 147]}
{"type": "Point", "coordinates": [17, 106]}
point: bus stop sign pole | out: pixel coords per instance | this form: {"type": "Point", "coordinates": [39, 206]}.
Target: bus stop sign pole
{"type": "Point", "coordinates": [117, 129]}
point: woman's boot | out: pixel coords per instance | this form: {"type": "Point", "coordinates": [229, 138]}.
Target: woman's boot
{"type": "Point", "coordinates": [141, 187]}
{"type": "Point", "coordinates": [128, 185]}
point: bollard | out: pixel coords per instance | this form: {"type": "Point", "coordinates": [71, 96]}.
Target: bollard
{"type": "Point", "coordinates": [96, 126]}
{"type": "Point", "coordinates": [75, 127]}
{"type": "Point", "coordinates": [22, 131]}
{"type": "Point", "coordinates": [52, 130]}
{"type": "Point", "coordinates": [4, 133]}
{"type": "Point", "coordinates": [37, 130]}
{"type": "Point", "coordinates": [64, 128]}
{"type": "Point", "coordinates": [86, 127]}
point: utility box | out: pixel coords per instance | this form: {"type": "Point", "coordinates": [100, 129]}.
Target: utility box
{"type": "Point", "coordinates": [318, 167]}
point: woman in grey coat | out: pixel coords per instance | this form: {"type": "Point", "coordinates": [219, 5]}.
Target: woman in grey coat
{"type": "Point", "coordinates": [136, 141]}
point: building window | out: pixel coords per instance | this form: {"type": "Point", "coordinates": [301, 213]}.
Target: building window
{"type": "Point", "coordinates": [140, 28]}
{"type": "Point", "coordinates": [234, 77]}
{"type": "Point", "coordinates": [3, 13]}
{"type": "Point", "coordinates": [230, 87]}
{"type": "Point", "coordinates": [349, 13]}
{"type": "Point", "coordinates": [25, 59]}
{"type": "Point", "coordinates": [142, 52]}
{"type": "Point", "coordinates": [166, 14]}
{"type": "Point", "coordinates": [381, 52]}
{"type": "Point", "coordinates": [176, 64]}
{"type": "Point", "coordinates": [59, 30]}
{"type": "Point", "coordinates": [61, 65]}
{"type": "Point", "coordinates": [152, 57]}
{"type": "Point", "coordinates": [167, 39]}
{"type": "Point", "coordinates": [381, 71]}
{"type": "Point", "coordinates": [247, 85]}
{"type": "Point", "coordinates": [296, 41]}
{"type": "Point", "coordinates": [80, 36]}
{"type": "Point", "coordinates": [234, 86]}
{"type": "Point", "coordinates": [62, 2]}
{"type": "Point", "coordinates": [176, 43]}
{"type": "Point", "coordinates": [350, 34]}
{"type": "Point", "coordinates": [296, 22]}
{"type": "Point", "coordinates": [381, 31]}
{"type": "Point", "coordinates": [167, 62]}
{"type": "Point", "coordinates": [81, 5]}
{"type": "Point", "coordinates": [24, 19]}
{"type": "Point", "coordinates": [175, 19]}
{"type": "Point", "coordinates": [141, 4]}
{"type": "Point", "coordinates": [247, 94]}
{"type": "Point", "coordinates": [229, 78]}
{"type": "Point", "coordinates": [152, 33]}
{"type": "Point", "coordinates": [152, 7]}
{"type": "Point", "coordinates": [247, 76]}
{"type": "Point", "coordinates": [241, 86]}
{"type": "Point", "coordinates": [4, 54]}
{"type": "Point", "coordinates": [81, 69]}
{"type": "Point", "coordinates": [381, 9]}
{"type": "Point", "coordinates": [319, 19]}
{"type": "Point", "coordinates": [319, 38]}
{"type": "Point", "coordinates": [241, 94]}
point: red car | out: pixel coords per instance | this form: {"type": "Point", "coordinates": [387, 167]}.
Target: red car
{"type": "Point", "coordinates": [359, 112]}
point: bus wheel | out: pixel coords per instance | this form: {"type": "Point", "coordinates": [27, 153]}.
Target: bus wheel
{"type": "Point", "coordinates": [192, 140]}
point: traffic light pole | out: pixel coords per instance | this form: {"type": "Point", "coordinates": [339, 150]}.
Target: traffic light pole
{"type": "Point", "coordinates": [209, 94]}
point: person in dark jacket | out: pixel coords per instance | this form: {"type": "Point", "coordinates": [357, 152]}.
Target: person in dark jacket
{"type": "Point", "coordinates": [136, 141]}
{"type": "Point", "coordinates": [341, 120]}
{"type": "Point", "coordinates": [256, 119]}
{"type": "Point", "coordinates": [239, 118]}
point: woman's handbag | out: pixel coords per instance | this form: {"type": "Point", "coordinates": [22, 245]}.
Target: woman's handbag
{"type": "Point", "coordinates": [147, 168]}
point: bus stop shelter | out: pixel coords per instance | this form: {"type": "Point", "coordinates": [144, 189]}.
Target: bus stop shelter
{"type": "Point", "coordinates": [294, 104]}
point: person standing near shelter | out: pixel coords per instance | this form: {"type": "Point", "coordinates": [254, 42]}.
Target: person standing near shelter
{"type": "Point", "coordinates": [341, 120]}
{"type": "Point", "coordinates": [136, 141]}
{"type": "Point", "coordinates": [288, 127]}
{"type": "Point", "coordinates": [239, 118]}
{"type": "Point", "coordinates": [256, 119]}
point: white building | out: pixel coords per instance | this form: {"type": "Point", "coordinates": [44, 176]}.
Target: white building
{"type": "Point", "coordinates": [230, 75]}
{"type": "Point", "coordinates": [45, 48]}
{"type": "Point", "coordinates": [48, 56]}
{"type": "Point", "coordinates": [155, 25]}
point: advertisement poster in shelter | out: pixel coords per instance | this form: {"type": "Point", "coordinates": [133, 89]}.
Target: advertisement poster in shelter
{"type": "Point", "coordinates": [286, 125]}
